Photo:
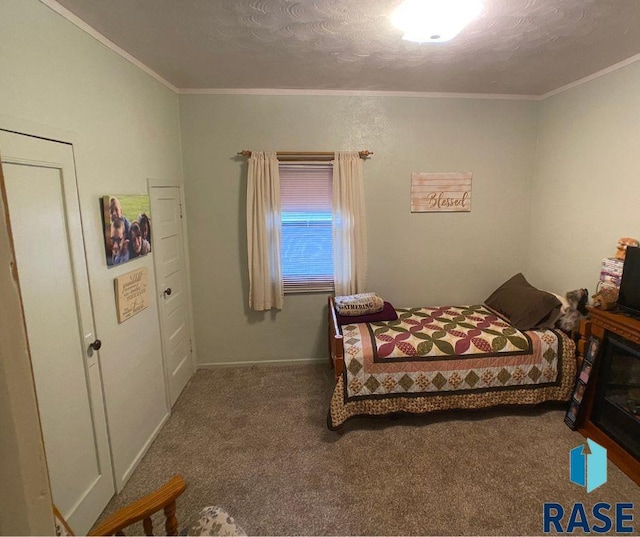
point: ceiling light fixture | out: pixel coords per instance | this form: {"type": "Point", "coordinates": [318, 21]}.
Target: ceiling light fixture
{"type": "Point", "coordinates": [434, 21]}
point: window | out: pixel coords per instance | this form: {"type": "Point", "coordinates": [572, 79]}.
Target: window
{"type": "Point", "coordinates": [307, 226]}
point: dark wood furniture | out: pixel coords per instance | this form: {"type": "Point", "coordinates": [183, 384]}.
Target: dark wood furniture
{"type": "Point", "coordinates": [336, 346]}
{"type": "Point", "coordinates": [583, 342]}
{"type": "Point", "coordinates": [602, 322]}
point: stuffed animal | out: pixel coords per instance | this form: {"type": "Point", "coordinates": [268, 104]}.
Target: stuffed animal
{"type": "Point", "coordinates": [606, 297]}
{"type": "Point", "coordinates": [576, 310]}
{"type": "Point", "coordinates": [621, 249]}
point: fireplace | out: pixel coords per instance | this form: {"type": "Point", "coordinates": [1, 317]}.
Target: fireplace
{"type": "Point", "coordinates": [611, 403]}
{"type": "Point", "coordinates": [616, 405]}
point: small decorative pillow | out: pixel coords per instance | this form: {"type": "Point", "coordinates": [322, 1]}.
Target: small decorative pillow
{"type": "Point", "coordinates": [388, 313]}
{"type": "Point", "coordinates": [360, 304]}
{"type": "Point", "coordinates": [215, 521]}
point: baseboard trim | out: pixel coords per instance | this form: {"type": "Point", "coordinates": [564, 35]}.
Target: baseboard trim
{"type": "Point", "coordinates": [120, 483]}
{"type": "Point", "coordinates": [250, 363]}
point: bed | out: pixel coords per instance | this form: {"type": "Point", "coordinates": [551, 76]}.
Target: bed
{"type": "Point", "coordinates": [440, 358]}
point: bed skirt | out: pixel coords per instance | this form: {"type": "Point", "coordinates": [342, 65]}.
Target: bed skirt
{"type": "Point", "coordinates": [342, 410]}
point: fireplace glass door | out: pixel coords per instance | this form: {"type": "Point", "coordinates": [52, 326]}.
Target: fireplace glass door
{"type": "Point", "coordinates": [616, 407]}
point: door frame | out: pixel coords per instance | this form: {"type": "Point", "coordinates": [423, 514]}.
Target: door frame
{"type": "Point", "coordinates": [175, 183]}
{"type": "Point", "coordinates": [28, 485]}
{"type": "Point", "coordinates": [25, 487]}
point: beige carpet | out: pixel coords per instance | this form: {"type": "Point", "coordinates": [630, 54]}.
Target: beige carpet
{"type": "Point", "coordinates": [254, 441]}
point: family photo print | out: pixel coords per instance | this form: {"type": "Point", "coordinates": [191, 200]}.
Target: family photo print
{"type": "Point", "coordinates": [126, 221]}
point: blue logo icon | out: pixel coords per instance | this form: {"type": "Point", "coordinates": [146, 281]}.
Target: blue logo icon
{"type": "Point", "coordinates": [588, 470]}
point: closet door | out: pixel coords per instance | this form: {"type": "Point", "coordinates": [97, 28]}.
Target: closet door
{"type": "Point", "coordinates": [175, 317]}
{"type": "Point", "coordinates": [45, 224]}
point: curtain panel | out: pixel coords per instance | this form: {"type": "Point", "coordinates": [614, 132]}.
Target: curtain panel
{"type": "Point", "coordinates": [349, 228]}
{"type": "Point", "coordinates": [264, 232]}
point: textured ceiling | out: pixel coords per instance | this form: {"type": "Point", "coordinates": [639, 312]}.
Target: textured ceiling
{"type": "Point", "coordinates": [527, 47]}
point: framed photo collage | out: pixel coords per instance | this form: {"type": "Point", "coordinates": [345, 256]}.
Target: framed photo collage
{"type": "Point", "coordinates": [573, 413]}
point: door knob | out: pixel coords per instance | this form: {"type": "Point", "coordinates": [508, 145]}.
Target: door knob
{"type": "Point", "coordinates": [167, 291]}
{"type": "Point", "coordinates": [95, 346]}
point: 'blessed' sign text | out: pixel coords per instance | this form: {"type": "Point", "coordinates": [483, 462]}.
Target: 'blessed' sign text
{"type": "Point", "coordinates": [440, 192]}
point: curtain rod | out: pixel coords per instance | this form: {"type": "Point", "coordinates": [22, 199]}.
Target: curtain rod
{"type": "Point", "coordinates": [306, 155]}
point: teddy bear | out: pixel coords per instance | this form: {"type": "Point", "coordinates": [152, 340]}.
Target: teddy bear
{"type": "Point", "coordinates": [605, 297]}
{"type": "Point", "coordinates": [621, 249]}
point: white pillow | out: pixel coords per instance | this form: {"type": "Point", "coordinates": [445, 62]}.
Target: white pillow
{"type": "Point", "coordinates": [360, 304]}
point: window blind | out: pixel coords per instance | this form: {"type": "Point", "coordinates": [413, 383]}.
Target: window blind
{"type": "Point", "coordinates": [307, 227]}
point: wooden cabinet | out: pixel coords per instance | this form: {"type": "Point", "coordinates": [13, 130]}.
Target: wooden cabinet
{"type": "Point", "coordinates": [585, 334]}
{"type": "Point", "coordinates": [600, 325]}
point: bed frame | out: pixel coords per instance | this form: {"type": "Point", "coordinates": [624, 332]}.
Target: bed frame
{"type": "Point", "coordinates": [336, 345]}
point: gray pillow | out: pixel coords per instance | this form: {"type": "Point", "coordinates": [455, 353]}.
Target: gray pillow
{"type": "Point", "coordinates": [524, 306]}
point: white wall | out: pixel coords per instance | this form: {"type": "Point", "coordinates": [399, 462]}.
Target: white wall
{"type": "Point", "coordinates": [413, 258]}
{"type": "Point", "coordinates": [126, 129]}
{"type": "Point", "coordinates": [586, 187]}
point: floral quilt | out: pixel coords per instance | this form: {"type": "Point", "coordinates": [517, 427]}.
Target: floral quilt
{"type": "Point", "coordinates": [455, 357]}
{"type": "Point", "coordinates": [447, 349]}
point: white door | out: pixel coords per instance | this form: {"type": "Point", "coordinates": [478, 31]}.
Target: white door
{"type": "Point", "coordinates": [168, 248]}
{"type": "Point", "coordinates": [45, 223]}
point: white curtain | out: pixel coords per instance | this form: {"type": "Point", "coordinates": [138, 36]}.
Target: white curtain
{"type": "Point", "coordinates": [264, 232]}
{"type": "Point", "coordinates": [349, 228]}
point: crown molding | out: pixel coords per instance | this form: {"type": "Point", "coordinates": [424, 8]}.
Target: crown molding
{"type": "Point", "coordinates": [352, 93]}
{"type": "Point", "coordinates": [65, 13]}
{"type": "Point", "coordinates": [589, 78]}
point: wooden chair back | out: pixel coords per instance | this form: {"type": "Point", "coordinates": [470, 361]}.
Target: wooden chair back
{"type": "Point", "coordinates": [162, 499]}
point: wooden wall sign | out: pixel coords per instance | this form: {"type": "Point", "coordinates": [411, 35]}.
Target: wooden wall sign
{"type": "Point", "coordinates": [132, 293]}
{"type": "Point", "coordinates": [440, 192]}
